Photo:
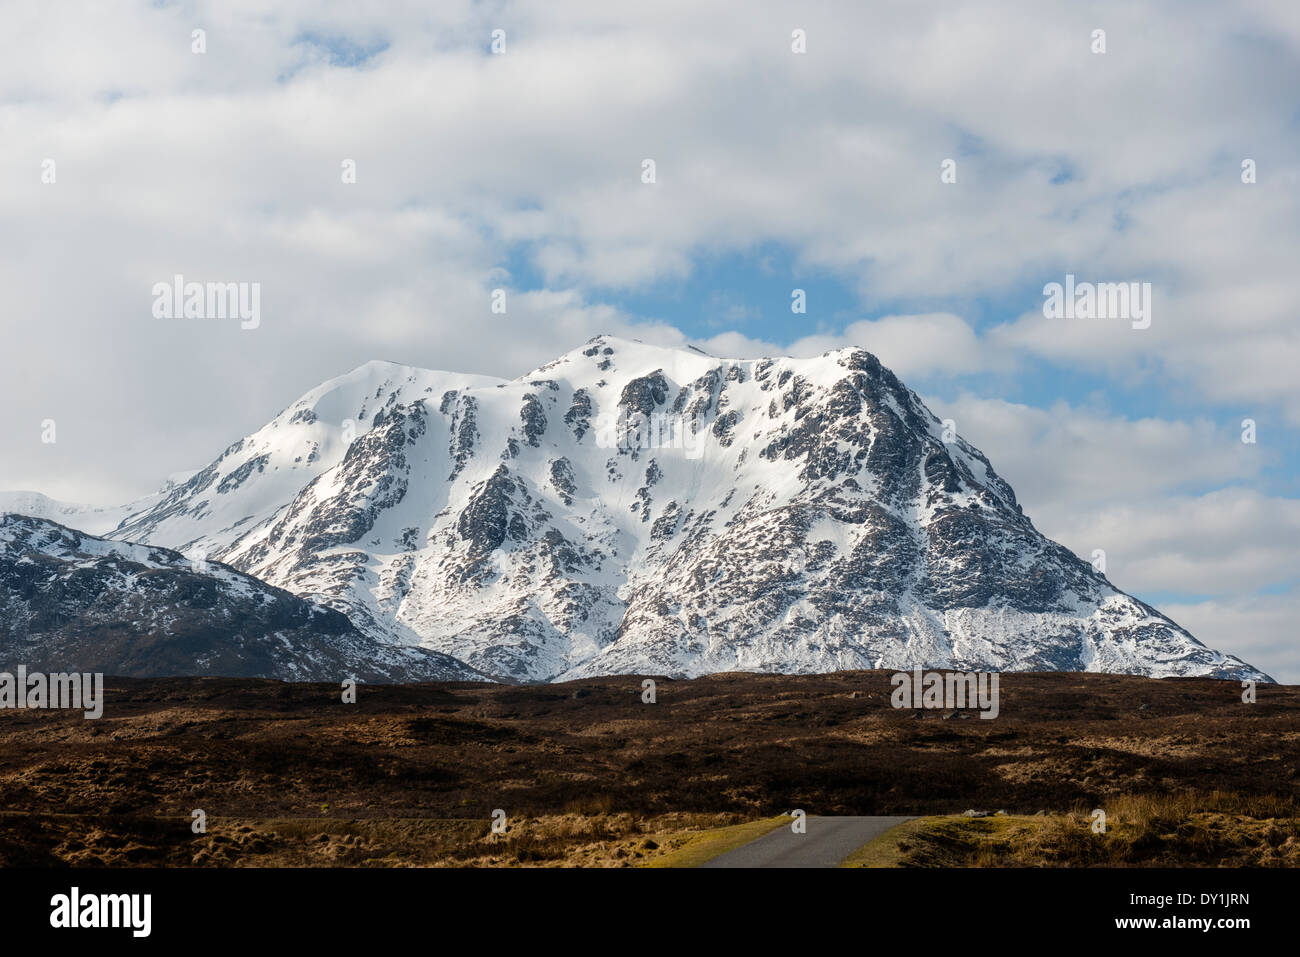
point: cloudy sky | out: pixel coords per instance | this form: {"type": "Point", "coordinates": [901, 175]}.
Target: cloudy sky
{"type": "Point", "coordinates": [522, 169]}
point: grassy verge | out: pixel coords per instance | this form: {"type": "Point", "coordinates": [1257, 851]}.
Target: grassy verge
{"type": "Point", "coordinates": [707, 845]}
{"type": "Point", "coordinates": [1163, 830]}
{"type": "Point", "coordinates": [889, 848]}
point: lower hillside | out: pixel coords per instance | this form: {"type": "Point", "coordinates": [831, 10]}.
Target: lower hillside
{"type": "Point", "coordinates": [73, 602]}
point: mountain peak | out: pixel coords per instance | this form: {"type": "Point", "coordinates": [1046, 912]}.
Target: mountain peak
{"type": "Point", "coordinates": [633, 507]}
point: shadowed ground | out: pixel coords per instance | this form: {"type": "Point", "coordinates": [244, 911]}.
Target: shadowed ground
{"type": "Point", "coordinates": [711, 752]}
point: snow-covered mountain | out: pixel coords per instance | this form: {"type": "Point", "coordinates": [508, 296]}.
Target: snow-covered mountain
{"type": "Point", "coordinates": [632, 508]}
{"type": "Point", "coordinates": [73, 602]}
{"type": "Point", "coordinates": [93, 519]}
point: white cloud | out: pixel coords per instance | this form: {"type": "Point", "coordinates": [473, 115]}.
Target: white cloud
{"type": "Point", "coordinates": [1226, 542]}
{"type": "Point", "coordinates": [226, 166]}
{"type": "Point", "coordinates": [1256, 629]}
{"type": "Point", "coordinates": [913, 346]}
{"type": "Point", "coordinates": [1066, 458]}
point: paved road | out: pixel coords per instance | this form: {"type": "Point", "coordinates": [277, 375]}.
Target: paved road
{"type": "Point", "coordinates": [828, 841]}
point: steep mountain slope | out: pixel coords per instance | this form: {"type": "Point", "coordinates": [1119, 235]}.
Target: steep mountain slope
{"type": "Point", "coordinates": [631, 508]}
{"type": "Point", "coordinates": [73, 602]}
{"type": "Point", "coordinates": [255, 477]}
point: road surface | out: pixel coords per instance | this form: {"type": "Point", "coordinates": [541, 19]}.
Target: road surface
{"type": "Point", "coordinates": [827, 841]}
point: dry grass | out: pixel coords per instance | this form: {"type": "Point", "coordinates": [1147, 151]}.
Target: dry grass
{"type": "Point", "coordinates": [587, 772]}
{"type": "Point", "coordinates": [1145, 830]}
{"type": "Point", "coordinates": [888, 849]}
{"type": "Point", "coordinates": [563, 840]}
{"type": "Point", "coordinates": [704, 847]}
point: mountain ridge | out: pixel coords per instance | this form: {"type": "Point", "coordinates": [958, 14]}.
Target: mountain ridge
{"type": "Point", "coordinates": [75, 602]}
{"type": "Point", "coordinates": [636, 508]}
